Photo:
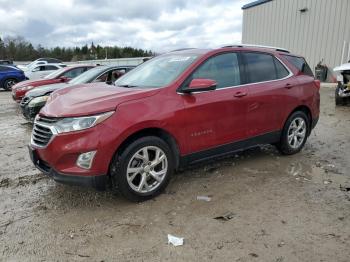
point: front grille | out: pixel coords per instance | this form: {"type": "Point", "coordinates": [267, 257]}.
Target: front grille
{"type": "Point", "coordinates": [42, 134]}
{"type": "Point", "coordinates": [25, 100]}
{"type": "Point", "coordinates": [47, 120]}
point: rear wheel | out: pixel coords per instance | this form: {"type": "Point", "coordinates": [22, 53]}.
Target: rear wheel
{"type": "Point", "coordinates": [294, 133]}
{"type": "Point", "coordinates": [9, 83]}
{"type": "Point", "coordinates": [143, 169]}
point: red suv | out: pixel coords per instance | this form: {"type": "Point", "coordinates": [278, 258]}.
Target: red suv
{"type": "Point", "coordinates": [176, 109]}
{"type": "Point", "coordinates": [59, 76]}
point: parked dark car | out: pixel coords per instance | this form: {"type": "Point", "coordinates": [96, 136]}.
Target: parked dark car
{"type": "Point", "coordinates": [9, 76]}
{"type": "Point", "coordinates": [35, 99]}
{"type": "Point", "coordinates": [174, 110]}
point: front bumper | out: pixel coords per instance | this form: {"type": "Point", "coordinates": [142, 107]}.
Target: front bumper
{"type": "Point", "coordinates": [99, 182]}
{"type": "Point", "coordinates": [29, 113]}
{"type": "Point", "coordinates": [61, 151]}
{"type": "Point", "coordinates": [18, 95]}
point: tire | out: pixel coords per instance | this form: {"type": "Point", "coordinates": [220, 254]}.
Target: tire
{"type": "Point", "coordinates": [133, 163]}
{"type": "Point", "coordinates": [338, 99]}
{"type": "Point", "coordinates": [9, 83]}
{"type": "Point", "coordinates": [293, 146]}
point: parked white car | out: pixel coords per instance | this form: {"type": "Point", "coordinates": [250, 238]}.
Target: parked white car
{"type": "Point", "coordinates": [40, 71]}
{"type": "Point", "coordinates": [342, 92]}
{"type": "Point", "coordinates": [39, 61]}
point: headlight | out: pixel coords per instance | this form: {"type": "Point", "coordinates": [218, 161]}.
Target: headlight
{"type": "Point", "coordinates": [80, 123]}
{"type": "Point", "coordinates": [38, 100]}
{"type": "Point", "coordinates": [27, 87]}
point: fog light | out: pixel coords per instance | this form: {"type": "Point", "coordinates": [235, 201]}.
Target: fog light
{"type": "Point", "coordinates": [85, 159]}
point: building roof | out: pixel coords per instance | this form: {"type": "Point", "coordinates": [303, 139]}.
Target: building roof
{"type": "Point", "coordinates": [255, 3]}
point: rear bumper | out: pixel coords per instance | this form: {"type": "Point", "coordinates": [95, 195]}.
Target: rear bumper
{"type": "Point", "coordinates": [98, 182]}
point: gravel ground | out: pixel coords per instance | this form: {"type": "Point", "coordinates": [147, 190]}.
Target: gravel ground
{"type": "Point", "coordinates": [294, 208]}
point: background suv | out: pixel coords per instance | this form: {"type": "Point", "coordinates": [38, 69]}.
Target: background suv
{"type": "Point", "coordinates": [176, 109]}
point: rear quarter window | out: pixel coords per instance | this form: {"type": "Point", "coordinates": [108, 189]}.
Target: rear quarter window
{"type": "Point", "coordinates": [260, 67]}
{"type": "Point", "coordinates": [300, 64]}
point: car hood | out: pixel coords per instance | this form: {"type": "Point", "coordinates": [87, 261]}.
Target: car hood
{"type": "Point", "coordinates": [90, 99]}
{"type": "Point", "coordinates": [38, 82]}
{"type": "Point", "coordinates": [42, 90]}
{"type": "Point", "coordinates": [342, 67]}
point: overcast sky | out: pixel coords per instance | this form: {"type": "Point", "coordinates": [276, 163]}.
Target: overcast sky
{"type": "Point", "coordinates": [157, 25]}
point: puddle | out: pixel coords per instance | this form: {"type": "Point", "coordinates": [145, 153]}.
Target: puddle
{"type": "Point", "coordinates": [326, 174]}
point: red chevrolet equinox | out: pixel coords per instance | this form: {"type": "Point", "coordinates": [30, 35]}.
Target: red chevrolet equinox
{"type": "Point", "coordinates": [174, 110]}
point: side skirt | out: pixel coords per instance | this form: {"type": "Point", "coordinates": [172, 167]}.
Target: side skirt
{"type": "Point", "coordinates": [268, 138]}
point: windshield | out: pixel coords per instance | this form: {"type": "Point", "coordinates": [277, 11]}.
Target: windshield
{"type": "Point", "coordinates": [157, 72]}
{"type": "Point", "coordinates": [55, 73]}
{"type": "Point", "coordinates": [88, 76]}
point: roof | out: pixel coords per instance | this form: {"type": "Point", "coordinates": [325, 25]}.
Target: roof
{"type": "Point", "coordinates": [255, 3]}
{"type": "Point", "coordinates": [342, 67]}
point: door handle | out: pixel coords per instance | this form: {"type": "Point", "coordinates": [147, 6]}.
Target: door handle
{"type": "Point", "coordinates": [240, 94]}
{"type": "Point", "coordinates": [288, 86]}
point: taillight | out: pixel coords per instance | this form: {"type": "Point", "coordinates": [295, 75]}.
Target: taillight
{"type": "Point", "coordinates": [317, 84]}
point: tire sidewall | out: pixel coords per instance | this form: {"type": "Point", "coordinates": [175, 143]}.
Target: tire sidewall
{"type": "Point", "coordinates": [122, 161]}
{"type": "Point", "coordinates": [5, 84]}
{"type": "Point", "coordinates": [285, 148]}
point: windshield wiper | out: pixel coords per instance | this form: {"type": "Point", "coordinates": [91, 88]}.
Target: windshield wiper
{"type": "Point", "coordinates": [127, 86]}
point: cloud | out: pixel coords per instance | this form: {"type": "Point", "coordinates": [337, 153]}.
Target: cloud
{"type": "Point", "coordinates": [156, 25]}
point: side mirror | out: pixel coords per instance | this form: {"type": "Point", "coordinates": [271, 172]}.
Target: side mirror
{"type": "Point", "coordinates": [64, 79]}
{"type": "Point", "coordinates": [200, 85]}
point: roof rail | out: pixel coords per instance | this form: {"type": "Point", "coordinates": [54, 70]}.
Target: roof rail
{"type": "Point", "coordinates": [259, 46]}
{"type": "Point", "coordinates": [182, 49]}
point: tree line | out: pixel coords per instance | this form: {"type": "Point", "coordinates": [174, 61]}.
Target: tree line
{"type": "Point", "coordinates": [19, 49]}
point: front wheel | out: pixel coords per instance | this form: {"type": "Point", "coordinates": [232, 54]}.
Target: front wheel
{"type": "Point", "coordinates": [143, 169]}
{"type": "Point", "coordinates": [9, 83]}
{"type": "Point", "coordinates": [294, 133]}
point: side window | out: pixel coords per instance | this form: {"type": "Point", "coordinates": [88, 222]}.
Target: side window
{"type": "Point", "coordinates": [300, 64]}
{"type": "Point", "coordinates": [117, 73]}
{"type": "Point", "coordinates": [259, 67]}
{"type": "Point", "coordinates": [74, 72]}
{"type": "Point", "coordinates": [46, 68]}
{"type": "Point", "coordinates": [224, 69]}
{"type": "Point", "coordinates": [38, 68]}
{"type": "Point", "coordinates": [101, 78]}
{"type": "Point", "coordinates": [282, 72]}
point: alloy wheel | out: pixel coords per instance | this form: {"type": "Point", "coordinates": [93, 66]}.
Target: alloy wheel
{"type": "Point", "coordinates": [147, 169]}
{"type": "Point", "coordinates": [296, 132]}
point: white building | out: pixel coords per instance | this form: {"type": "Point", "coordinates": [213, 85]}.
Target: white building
{"type": "Point", "coordinates": [317, 29]}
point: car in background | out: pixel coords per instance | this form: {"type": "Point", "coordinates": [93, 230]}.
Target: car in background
{"type": "Point", "coordinates": [41, 71]}
{"type": "Point", "coordinates": [172, 111]}
{"type": "Point", "coordinates": [9, 76]}
{"type": "Point", "coordinates": [6, 62]}
{"type": "Point", "coordinates": [59, 76]}
{"type": "Point", "coordinates": [342, 91]}
{"type": "Point", "coordinates": [35, 99]}
{"type": "Point", "coordinates": [40, 61]}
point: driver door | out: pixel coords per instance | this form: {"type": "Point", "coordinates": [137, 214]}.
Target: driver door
{"type": "Point", "coordinates": [216, 117]}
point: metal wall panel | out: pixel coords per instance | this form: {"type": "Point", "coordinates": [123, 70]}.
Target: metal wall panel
{"type": "Point", "coordinates": [317, 34]}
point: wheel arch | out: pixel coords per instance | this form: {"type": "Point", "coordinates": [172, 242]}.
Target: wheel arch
{"type": "Point", "coordinates": [307, 111]}
{"type": "Point", "coordinates": [152, 131]}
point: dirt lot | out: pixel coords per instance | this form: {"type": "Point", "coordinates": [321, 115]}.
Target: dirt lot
{"type": "Point", "coordinates": [285, 208]}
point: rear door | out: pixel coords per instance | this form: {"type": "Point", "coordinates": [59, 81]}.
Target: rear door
{"type": "Point", "coordinates": [217, 117]}
{"type": "Point", "coordinates": [269, 82]}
